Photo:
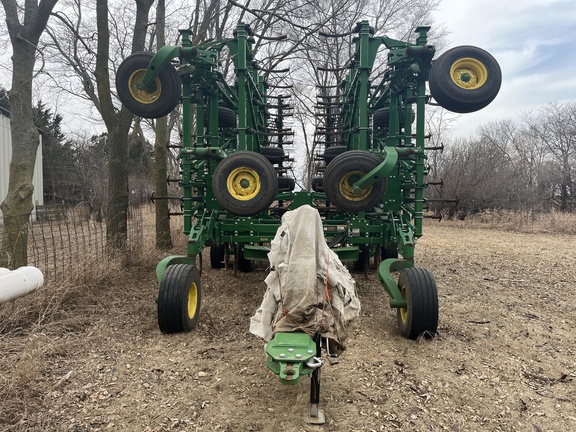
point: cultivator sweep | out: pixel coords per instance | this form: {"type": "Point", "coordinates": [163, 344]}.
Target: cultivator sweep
{"type": "Point", "coordinates": [370, 165]}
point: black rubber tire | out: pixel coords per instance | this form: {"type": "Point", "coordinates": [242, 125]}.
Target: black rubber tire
{"type": "Point", "coordinates": [155, 104]}
{"type": "Point", "coordinates": [451, 93]}
{"type": "Point", "coordinates": [331, 152]}
{"type": "Point", "coordinates": [318, 184]}
{"type": "Point", "coordinates": [179, 299]}
{"type": "Point", "coordinates": [275, 155]}
{"type": "Point", "coordinates": [388, 253]}
{"type": "Point", "coordinates": [226, 118]}
{"type": "Point", "coordinates": [199, 263]}
{"type": "Point", "coordinates": [381, 118]}
{"type": "Point", "coordinates": [244, 265]}
{"type": "Point", "coordinates": [363, 261]}
{"type": "Point", "coordinates": [286, 184]}
{"type": "Point", "coordinates": [346, 169]}
{"type": "Point", "coordinates": [245, 183]}
{"type": "Point", "coordinates": [217, 256]}
{"type": "Point", "coordinates": [421, 314]}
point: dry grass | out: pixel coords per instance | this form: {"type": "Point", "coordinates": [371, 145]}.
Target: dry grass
{"type": "Point", "coordinates": [84, 353]}
{"type": "Point", "coordinates": [553, 222]}
{"type": "Point", "coordinates": [35, 329]}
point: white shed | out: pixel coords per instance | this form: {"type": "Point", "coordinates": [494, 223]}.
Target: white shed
{"type": "Point", "coordinates": [6, 156]}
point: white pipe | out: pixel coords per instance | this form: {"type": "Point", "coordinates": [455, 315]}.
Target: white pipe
{"type": "Point", "coordinates": [22, 281]}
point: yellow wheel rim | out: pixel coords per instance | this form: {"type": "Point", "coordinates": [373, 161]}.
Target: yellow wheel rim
{"type": "Point", "coordinates": [143, 96]}
{"type": "Point", "coordinates": [243, 183]}
{"type": "Point", "coordinates": [469, 73]}
{"type": "Point", "coordinates": [346, 186]}
{"type": "Point", "coordinates": [192, 300]}
{"type": "Point", "coordinates": [403, 311]}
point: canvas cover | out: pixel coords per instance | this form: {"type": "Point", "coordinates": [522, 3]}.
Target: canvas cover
{"type": "Point", "coordinates": [297, 296]}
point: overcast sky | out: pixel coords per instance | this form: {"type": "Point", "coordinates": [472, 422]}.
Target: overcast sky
{"type": "Point", "coordinates": [534, 42]}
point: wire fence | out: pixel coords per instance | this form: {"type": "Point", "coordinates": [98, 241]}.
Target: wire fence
{"type": "Point", "coordinates": [66, 240]}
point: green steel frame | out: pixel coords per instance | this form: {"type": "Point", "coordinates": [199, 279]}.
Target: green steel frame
{"type": "Point", "coordinates": [395, 223]}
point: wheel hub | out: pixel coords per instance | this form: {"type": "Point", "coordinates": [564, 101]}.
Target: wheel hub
{"type": "Point", "coordinates": [403, 311]}
{"type": "Point", "coordinates": [243, 183]}
{"type": "Point", "coordinates": [144, 96]}
{"type": "Point", "coordinates": [347, 187]}
{"type": "Point", "coordinates": [192, 300]}
{"type": "Point", "coordinates": [469, 73]}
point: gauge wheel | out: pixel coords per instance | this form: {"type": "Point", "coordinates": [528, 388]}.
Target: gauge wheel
{"type": "Point", "coordinates": [420, 316]}
{"type": "Point", "coordinates": [179, 299]}
{"type": "Point", "coordinates": [226, 118]}
{"type": "Point", "coordinates": [275, 155]}
{"type": "Point", "coordinates": [388, 252]}
{"type": "Point", "coordinates": [157, 101]}
{"type": "Point", "coordinates": [286, 184]}
{"type": "Point", "coordinates": [465, 79]}
{"type": "Point", "coordinates": [318, 184]}
{"type": "Point", "coordinates": [245, 183]}
{"type": "Point", "coordinates": [331, 152]}
{"type": "Point", "coordinates": [244, 265]}
{"type": "Point", "coordinates": [340, 176]}
{"type": "Point", "coordinates": [363, 262]}
{"type": "Point", "coordinates": [217, 256]}
{"type": "Point", "coordinates": [381, 118]}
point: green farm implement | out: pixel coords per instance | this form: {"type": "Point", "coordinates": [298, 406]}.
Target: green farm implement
{"type": "Point", "coordinates": [370, 173]}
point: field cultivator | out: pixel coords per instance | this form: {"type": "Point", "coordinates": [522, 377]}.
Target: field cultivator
{"type": "Point", "coordinates": [370, 174]}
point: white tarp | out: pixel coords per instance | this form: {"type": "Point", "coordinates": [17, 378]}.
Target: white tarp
{"type": "Point", "coordinates": [298, 298]}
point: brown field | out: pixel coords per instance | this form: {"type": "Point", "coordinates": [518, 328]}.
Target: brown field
{"type": "Point", "coordinates": [87, 355]}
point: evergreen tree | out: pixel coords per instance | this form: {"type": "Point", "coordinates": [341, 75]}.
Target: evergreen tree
{"type": "Point", "coordinates": [60, 182]}
{"type": "Point", "coordinates": [4, 102]}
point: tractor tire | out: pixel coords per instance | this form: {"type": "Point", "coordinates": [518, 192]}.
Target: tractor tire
{"type": "Point", "coordinates": [157, 102]}
{"type": "Point", "coordinates": [363, 262]}
{"type": "Point", "coordinates": [245, 183]}
{"type": "Point", "coordinates": [217, 256]}
{"type": "Point", "coordinates": [381, 118]}
{"type": "Point", "coordinates": [226, 118]}
{"type": "Point", "coordinates": [244, 265]}
{"type": "Point", "coordinates": [420, 317]}
{"type": "Point", "coordinates": [331, 152]}
{"type": "Point", "coordinates": [286, 184]}
{"type": "Point", "coordinates": [346, 169]}
{"type": "Point", "coordinates": [318, 184]}
{"type": "Point", "coordinates": [179, 299]}
{"type": "Point", "coordinates": [465, 79]}
{"type": "Point", "coordinates": [275, 155]}
{"type": "Point", "coordinates": [388, 252]}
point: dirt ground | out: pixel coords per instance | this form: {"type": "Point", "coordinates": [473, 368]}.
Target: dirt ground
{"type": "Point", "coordinates": [504, 358]}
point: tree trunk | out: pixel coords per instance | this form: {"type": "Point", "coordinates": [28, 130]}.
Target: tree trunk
{"type": "Point", "coordinates": [117, 124]}
{"type": "Point", "coordinates": [17, 205]}
{"type": "Point", "coordinates": [162, 139]}
{"type": "Point", "coordinates": [163, 239]}
{"type": "Point", "coordinates": [117, 212]}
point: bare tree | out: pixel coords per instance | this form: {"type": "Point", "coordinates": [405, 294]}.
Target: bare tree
{"type": "Point", "coordinates": [322, 62]}
{"type": "Point", "coordinates": [554, 125]}
{"type": "Point", "coordinates": [91, 172]}
{"type": "Point", "coordinates": [117, 122]}
{"type": "Point", "coordinates": [161, 142]}
{"type": "Point", "coordinates": [91, 53]}
{"type": "Point", "coordinates": [25, 25]}
{"type": "Point", "coordinates": [512, 166]}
